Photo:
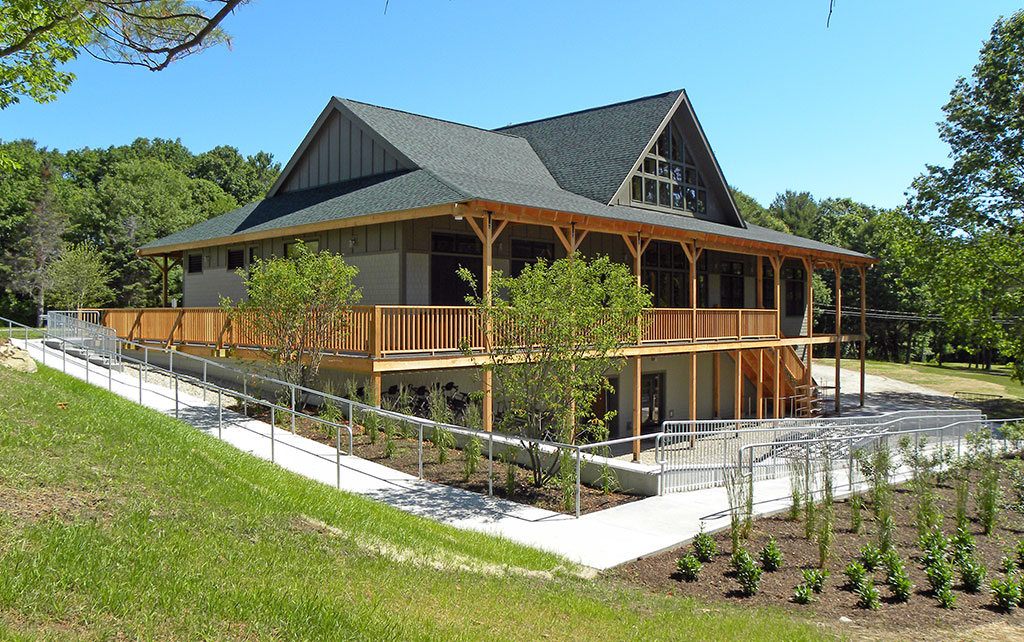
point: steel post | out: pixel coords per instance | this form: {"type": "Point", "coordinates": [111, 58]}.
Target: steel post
{"type": "Point", "coordinates": [578, 453]}
{"type": "Point", "coordinates": [273, 420]}
{"type": "Point", "coordinates": [337, 453]}
{"type": "Point", "coordinates": [220, 415]}
{"type": "Point", "coordinates": [175, 397]}
{"type": "Point", "coordinates": [420, 455]}
{"type": "Point", "coordinates": [490, 464]}
{"type": "Point", "coordinates": [293, 410]}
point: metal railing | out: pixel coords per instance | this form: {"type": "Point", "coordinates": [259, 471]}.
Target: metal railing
{"type": "Point", "coordinates": [83, 329]}
{"type": "Point", "coordinates": [698, 454]}
{"type": "Point", "coordinates": [298, 396]}
{"type": "Point", "coordinates": [762, 461]}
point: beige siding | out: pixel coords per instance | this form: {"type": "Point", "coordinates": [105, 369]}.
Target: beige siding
{"type": "Point", "coordinates": [378, 277]}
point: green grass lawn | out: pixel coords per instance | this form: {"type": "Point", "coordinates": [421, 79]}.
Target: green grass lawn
{"type": "Point", "coordinates": [19, 333]}
{"type": "Point", "coordinates": [951, 378]}
{"type": "Point", "coordinates": [117, 522]}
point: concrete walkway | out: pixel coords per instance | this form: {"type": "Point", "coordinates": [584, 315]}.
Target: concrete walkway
{"type": "Point", "coordinates": [599, 540]}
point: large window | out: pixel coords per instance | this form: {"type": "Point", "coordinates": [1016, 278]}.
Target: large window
{"type": "Point", "coordinates": [668, 177]}
{"type": "Point", "coordinates": [526, 252]}
{"type": "Point", "coordinates": [665, 272]}
{"type": "Point", "coordinates": [449, 252]}
{"type": "Point", "coordinates": [291, 248]}
{"type": "Point", "coordinates": [732, 284]}
{"type": "Point", "coordinates": [795, 301]}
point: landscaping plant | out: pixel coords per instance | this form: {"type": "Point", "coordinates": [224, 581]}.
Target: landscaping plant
{"type": "Point", "coordinates": [886, 532]}
{"type": "Point", "coordinates": [900, 586]}
{"type": "Point", "coordinates": [1020, 552]}
{"type": "Point", "coordinates": [738, 491]}
{"type": "Point", "coordinates": [797, 475]}
{"type": "Point", "coordinates": [470, 457]}
{"type": "Point", "coordinates": [871, 557]}
{"type": "Point", "coordinates": [771, 556]}
{"type": "Point", "coordinates": [802, 594]}
{"type": "Point", "coordinates": [855, 574]}
{"type": "Point", "coordinates": [893, 565]}
{"type": "Point", "coordinates": [988, 496]}
{"type": "Point", "coordinates": [510, 470]}
{"type": "Point", "coordinates": [1006, 593]}
{"type": "Point", "coordinates": [940, 575]}
{"type": "Point", "coordinates": [962, 544]}
{"type": "Point", "coordinates": [946, 597]}
{"type": "Point", "coordinates": [815, 578]}
{"type": "Point", "coordinates": [856, 517]}
{"type": "Point", "coordinates": [689, 568]}
{"type": "Point", "coordinates": [389, 439]}
{"type": "Point", "coordinates": [868, 596]}
{"type": "Point", "coordinates": [972, 573]}
{"type": "Point", "coordinates": [748, 574]}
{"type": "Point", "coordinates": [704, 547]}
{"type": "Point", "coordinates": [963, 494]}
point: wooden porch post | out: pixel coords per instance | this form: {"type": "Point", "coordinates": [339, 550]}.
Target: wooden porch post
{"type": "Point", "coordinates": [716, 384]}
{"type": "Point", "coordinates": [838, 268]}
{"type": "Point", "coordinates": [164, 270]}
{"type": "Point", "coordinates": [778, 375]}
{"type": "Point", "coordinates": [808, 379]}
{"type": "Point", "coordinates": [777, 271]}
{"type": "Point", "coordinates": [375, 388]}
{"type": "Point", "coordinates": [863, 331]}
{"type": "Point", "coordinates": [738, 406]}
{"type": "Point", "coordinates": [637, 370]}
{"type": "Point", "coordinates": [487, 236]}
{"type": "Point", "coordinates": [760, 383]}
{"type": "Point", "coordinates": [692, 389]}
{"type": "Point", "coordinates": [759, 286]}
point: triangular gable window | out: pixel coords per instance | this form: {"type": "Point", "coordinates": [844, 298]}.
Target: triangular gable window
{"type": "Point", "coordinates": [668, 177]}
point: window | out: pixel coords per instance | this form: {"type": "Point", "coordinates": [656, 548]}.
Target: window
{"type": "Point", "coordinates": [668, 177]}
{"type": "Point", "coordinates": [665, 272]}
{"type": "Point", "coordinates": [236, 260]}
{"type": "Point", "coordinates": [526, 252]}
{"type": "Point", "coordinates": [767, 287]}
{"type": "Point", "coordinates": [195, 263]}
{"type": "Point", "coordinates": [451, 252]}
{"type": "Point", "coordinates": [254, 253]}
{"type": "Point", "coordinates": [795, 300]}
{"type": "Point", "coordinates": [291, 248]}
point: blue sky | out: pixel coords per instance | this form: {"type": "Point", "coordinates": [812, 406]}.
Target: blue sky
{"type": "Point", "coordinates": [786, 103]}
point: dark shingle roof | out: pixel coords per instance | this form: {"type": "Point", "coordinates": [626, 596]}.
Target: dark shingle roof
{"type": "Point", "coordinates": [372, 195]}
{"type": "Point", "coordinates": [458, 163]}
{"type": "Point", "coordinates": [591, 152]}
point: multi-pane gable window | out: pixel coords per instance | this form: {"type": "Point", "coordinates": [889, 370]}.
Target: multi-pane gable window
{"type": "Point", "coordinates": [668, 177]}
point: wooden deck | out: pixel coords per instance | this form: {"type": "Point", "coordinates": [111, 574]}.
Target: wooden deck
{"type": "Point", "coordinates": [392, 331]}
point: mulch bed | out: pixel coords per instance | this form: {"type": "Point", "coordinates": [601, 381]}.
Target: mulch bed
{"type": "Point", "coordinates": [452, 473]}
{"type": "Point", "coordinates": [921, 611]}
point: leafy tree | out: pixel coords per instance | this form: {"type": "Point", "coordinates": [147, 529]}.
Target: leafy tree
{"type": "Point", "coordinates": [37, 37]}
{"type": "Point", "coordinates": [247, 179]}
{"type": "Point", "coordinates": [577, 315]}
{"type": "Point", "coordinates": [971, 247]}
{"type": "Point", "coordinates": [753, 212]}
{"type": "Point", "coordinates": [294, 302]}
{"type": "Point", "coordinates": [78, 278]}
{"type": "Point", "coordinates": [38, 244]}
{"type": "Point", "coordinates": [797, 210]}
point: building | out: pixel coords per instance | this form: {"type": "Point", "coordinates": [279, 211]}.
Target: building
{"type": "Point", "coordinates": [408, 199]}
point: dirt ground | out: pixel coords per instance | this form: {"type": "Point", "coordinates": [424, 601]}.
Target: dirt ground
{"type": "Point", "coordinates": [920, 617]}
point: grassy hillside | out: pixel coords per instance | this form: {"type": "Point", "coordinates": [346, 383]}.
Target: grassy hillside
{"type": "Point", "coordinates": [118, 522]}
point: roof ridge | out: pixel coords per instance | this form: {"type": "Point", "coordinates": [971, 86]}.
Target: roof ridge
{"type": "Point", "coordinates": [584, 111]}
{"type": "Point", "coordinates": [440, 120]}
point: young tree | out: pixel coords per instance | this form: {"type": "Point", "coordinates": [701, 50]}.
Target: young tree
{"type": "Point", "coordinates": [557, 331]}
{"type": "Point", "coordinates": [38, 244]}
{"type": "Point", "coordinates": [78, 278]}
{"type": "Point", "coordinates": [294, 302]}
{"type": "Point", "coordinates": [971, 248]}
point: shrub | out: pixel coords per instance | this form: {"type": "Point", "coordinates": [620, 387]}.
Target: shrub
{"type": "Point", "coordinates": [963, 494]}
{"type": "Point", "coordinates": [1020, 552]}
{"type": "Point", "coordinates": [946, 597]}
{"type": "Point", "coordinates": [1005, 593]}
{"type": "Point", "coordinates": [988, 497]}
{"type": "Point", "coordinates": [771, 556]}
{"type": "Point", "coordinates": [856, 518]}
{"type": "Point", "coordinates": [901, 586]}
{"type": "Point", "coordinates": [444, 441]}
{"type": "Point", "coordinates": [963, 544]}
{"type": "Point", "coordinates": [855, 574]}
{"type": "Point", "coordinates": [886, 532]}
{"type": "Point", "coordinates": [815, 578]}
{"type": "Point", "coordinates": [825, 537]}
{"type": "Point", "coordinates": [972, 574]}
{"type": "Point", "coordinates": [748, 576]}
{"type": "Point", "coordinates": [867, 596]}
{"type": "Point", "coordinates": [940, 575]}
{"type": "Point", "coordinates": [1007, 563]}
{"type": "Point", "coordinates": [740, 558]}
{"type": "Point", "coordinates": [934, 545]}
{"type": "Point", "coordinates": [704, 547]}
{"type": "Point", "coordinates": [870, 557]}
{"type": "Point", "coordinates": [371, 425]}
{"type": "Point", "coordinates": [1015, 474]}
{"type": "Point", "coordinates": [389, 440]}
{"type": "Point", "coordinates": [802, 594]}
{"type": "Point", "coordinates": [471, 457]}
{"type": "Point", "coordinates": [893, 565]}
{"type": "Point", "coordinates": [689, 568]}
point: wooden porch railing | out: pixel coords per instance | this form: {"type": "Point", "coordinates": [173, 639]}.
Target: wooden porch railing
{"type": "Point", "coordinates": [384, 330]}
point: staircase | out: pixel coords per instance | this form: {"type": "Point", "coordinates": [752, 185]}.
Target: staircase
{"type": "Point", "coordinates": [793, 392]}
